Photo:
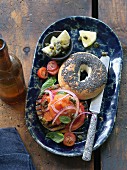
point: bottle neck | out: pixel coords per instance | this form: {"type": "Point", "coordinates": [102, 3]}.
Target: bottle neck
{"type": "Point", "coordinates": [5, 62]}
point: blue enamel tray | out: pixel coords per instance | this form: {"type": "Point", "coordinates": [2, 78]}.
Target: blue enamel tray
{"type": "Point", "coordinates": [108, 42]}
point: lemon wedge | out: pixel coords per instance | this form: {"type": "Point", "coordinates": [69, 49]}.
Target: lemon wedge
{"type": "Point", "coordinates": [64, 38]}
{"type": "Point", "coordinates": [48, 50]}
{"type": "Point", "coordinates": [53, 40]}
{"type": "Point", "coordinates": [57, 44]}
{"type": "Point", "coordinates": [87, 37]}
{"type": "Point", "coordinates": [51, 50]}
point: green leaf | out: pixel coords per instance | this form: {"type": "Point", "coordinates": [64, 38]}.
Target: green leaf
{"type": "Point", "coordinates": [61, 92]}
{"type": "Point", "coordinates": [50, 82]}
{"type": "Point", "coordinates": [55, 136]}
{"type": "Point", "coordinates": [65, 119]}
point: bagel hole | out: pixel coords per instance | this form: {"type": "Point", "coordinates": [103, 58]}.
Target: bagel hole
{"type": "Point", "coordinates": [83, 75]}
{"type": "Point", "coordinates": [84, 72]}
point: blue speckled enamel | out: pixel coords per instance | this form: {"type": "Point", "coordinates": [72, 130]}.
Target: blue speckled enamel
{"type": "Point", "coordinates": [108, 43]}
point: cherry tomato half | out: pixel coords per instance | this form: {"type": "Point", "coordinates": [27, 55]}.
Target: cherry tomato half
{"type": "Point", "coordinates": [53, 72]}
{"type": "Point", "coordinates": [69, 139]}
{"type": "Point", "coordinates": [52, 66]}
{"type": "Point", "coordinates": [42, 73]}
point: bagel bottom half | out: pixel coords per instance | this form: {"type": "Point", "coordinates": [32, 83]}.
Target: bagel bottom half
{"type": "Point", "coordinates": [69, 76]}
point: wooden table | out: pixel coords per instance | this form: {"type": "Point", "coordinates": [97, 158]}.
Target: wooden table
{"type": "Point", "coordinates": [21, 24]}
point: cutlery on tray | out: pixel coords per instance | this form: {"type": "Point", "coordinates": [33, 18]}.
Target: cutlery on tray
{"type": "Point", "coordinates": [95, 107]}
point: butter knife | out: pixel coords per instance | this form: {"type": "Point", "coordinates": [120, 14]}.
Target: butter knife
{"type": "Point", "coordinates": [95, 107]}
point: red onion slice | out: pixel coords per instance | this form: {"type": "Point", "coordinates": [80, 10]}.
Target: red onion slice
{"type": "Point", "coordinates": [54, 109]}
{"type": "Point", "coordinates": [53, 105]}
{"type": "Point", "coordinates": [70, 127]}
{"type": "Point", "coordinates": [76, 98]}
{"type": "Point", "coordinates": [50, 94]}
{"type": "Point", "coordinates": [64, 109]}
{"type": "Point", "coordinates": [51, 98]}
{"type": "Point", "coordinates": [61, 98]}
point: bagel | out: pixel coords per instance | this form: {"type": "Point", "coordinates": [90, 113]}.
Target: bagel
{"type": "Point", "coordinates": [70, 71]}
{"type": "Point", "coordinates": [45, 117]}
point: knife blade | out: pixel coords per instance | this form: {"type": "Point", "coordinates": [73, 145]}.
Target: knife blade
{"type": "Point", "coordinates": [95, 107]}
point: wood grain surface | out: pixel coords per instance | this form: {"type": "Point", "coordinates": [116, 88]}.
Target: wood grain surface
{"type": "Point", "coordinates": [21, 24]}
{"type": "Point", "coordinates": [114, 151]}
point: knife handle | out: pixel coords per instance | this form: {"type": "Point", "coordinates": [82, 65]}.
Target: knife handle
{"type": "Point", "coordinates": [90, 138]}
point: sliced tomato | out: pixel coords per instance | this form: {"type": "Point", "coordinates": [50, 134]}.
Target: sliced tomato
{"type": "Point", "coordinates": [42, 73]}
{"type": "Point", "coordinates": [84, 106]}
{"type": "Point", "coordinates": [78, 122]}
{"type": "Point", "coordinates": [69, 139]}
{"type": "Point", "coordinates": [52, 66]}
{"type": "Point", "coordinates": [81, 107]}
{"type": "Point", "coordinates": [53, 73]}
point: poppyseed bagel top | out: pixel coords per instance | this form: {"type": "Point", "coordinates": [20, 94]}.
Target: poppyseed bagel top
{"type": "Point", "coordinates": [70, 70]}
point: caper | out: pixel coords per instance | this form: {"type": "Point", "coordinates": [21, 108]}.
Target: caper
{"type": "Point", "coordinates": [46, 44]}
{"type": "Point", "coordinates": [85, 37]}
{"type": "Point", "coordinates": [72, 100]}
{"type": "Point", "coordinates": [58, 51]}
{"type": "Point", "coordinates": [58, 47]}
{"type": "Point", "coordinates": [54, 53]}
{"type": "Point", "coordinates": [58, 42]}
{"type": "Point", "coordinates": [104, 53]}
{"type": "Point", "coordinates": [96, 44]}
{"type": "Point", "coordinates": [52, 47]}
{"type": "Point", "coordinates": [63, 52]}
{"type": "Point", "coordinates": [80, 137]}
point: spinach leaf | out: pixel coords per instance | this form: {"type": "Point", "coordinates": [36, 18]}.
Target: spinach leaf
{"type": "Point", "coordinates": [50, 82]}
{"type": "Point", "coordinates": [65, 119]}
{"type": "Point", "coordinates": [55, 136]}
{"type": "Point", "coordinates": [61, 92]}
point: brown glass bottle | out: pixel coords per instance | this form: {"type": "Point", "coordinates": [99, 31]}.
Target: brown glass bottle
{"type": "Point", "coordinates": [12, 84]}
